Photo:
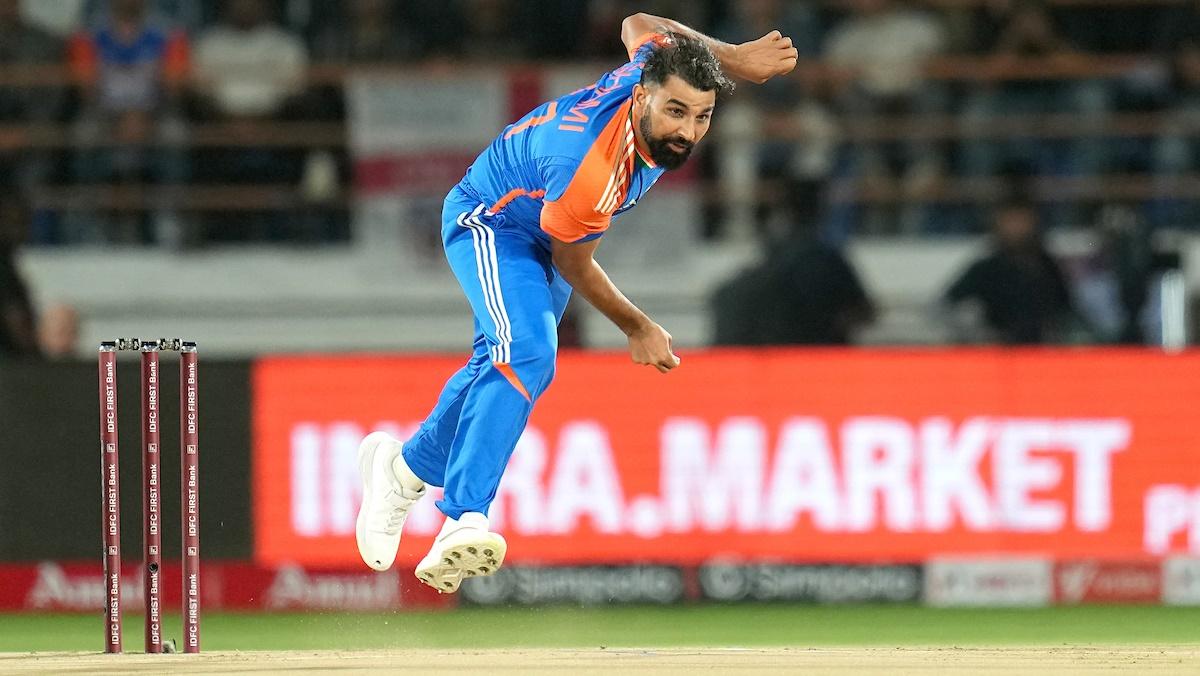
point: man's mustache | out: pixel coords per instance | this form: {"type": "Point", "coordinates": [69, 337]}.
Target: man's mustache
{"type": "Point", "coordinates": [686, 145]}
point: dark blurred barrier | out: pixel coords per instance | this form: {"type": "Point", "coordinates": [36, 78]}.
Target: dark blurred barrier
{"type": "Point", "coordinates": [50, 460]}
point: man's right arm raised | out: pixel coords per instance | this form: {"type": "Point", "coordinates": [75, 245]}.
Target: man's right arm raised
{"type": "Point", "coordinates": [757, 60]}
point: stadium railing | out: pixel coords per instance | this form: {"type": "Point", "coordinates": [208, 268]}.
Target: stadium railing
{"type": "Point", "coordinates": [17, 137]}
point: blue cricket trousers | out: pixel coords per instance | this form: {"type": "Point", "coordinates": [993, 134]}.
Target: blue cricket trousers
{"type": "Point", "coordinates": [518, 299]}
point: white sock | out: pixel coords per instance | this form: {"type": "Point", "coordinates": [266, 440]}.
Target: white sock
{"type": "Point", "coordinates": [404, 476]}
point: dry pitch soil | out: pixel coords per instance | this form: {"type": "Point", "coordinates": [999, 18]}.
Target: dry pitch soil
{"type": "Point", "coordinates": [840, 661]}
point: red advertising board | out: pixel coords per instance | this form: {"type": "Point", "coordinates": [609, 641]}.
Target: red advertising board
{"type": "Point", "coordinates": [1108, 582]}
{"type": "Point", "coordinates": [782, 455]}
{"type": "Point", "coordinates": [53, 586]}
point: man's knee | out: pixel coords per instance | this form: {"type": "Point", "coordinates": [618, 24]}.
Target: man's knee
{"type": "Point", "coordinates": [533, 362]}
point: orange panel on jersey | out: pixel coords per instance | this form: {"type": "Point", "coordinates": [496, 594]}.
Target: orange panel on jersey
{"type": "Point", "coordinates": [576, 213]}
{"type": "Point", "coordinates": [512, 195]}
{"type": "Point", "coordinates": [534, 121]}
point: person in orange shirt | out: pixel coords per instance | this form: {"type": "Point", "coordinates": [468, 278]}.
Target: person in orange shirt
{"type": "Point", "coordinates": [132, 70]}
{"type": "Point", "coordinates": [520, 231]}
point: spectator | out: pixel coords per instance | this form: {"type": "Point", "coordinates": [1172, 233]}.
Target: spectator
{"type": "Point", "coordinates": [61, 19]}
{"type": "Point", "coordinates": [489, 32]}
{"type": "Point", "coordinates": [58, 331]}
{"type": "Point", "coordinates": [1028, 37]}
{"type": "Point", "coordinates": [1178, 23]}
{"type": "Point", "coordinates": [804, 293]}
{"type": "Point", "coordinates": [796, 128]}
{"type": "Point", "coordinates": [364, 32]}
{"type": "Point", "coordinates": [248, 72]}
{"type": "Point", "coordinates": [1018, 286]}
{"type": "Point", "coordinates": [367, 32]}
{"type": "Point", "coordinates": [17, 334]}
{"type": "Point", "coordinates": [184, 14]}
{"type": "Point", "coordinates": [374, 33]}
{"type": "Point", "coordinates": [1028, 29]}
{"type": "Point", "coordinates": [1177, 150]}
{"type": "Point", "coordinates": [1113, 287]}
{"type": "Point", "coordinates": [795, 158]}
{"type": "Point", "coordinates": [247, 67]}
{"type": "Point", "coordinates": [132, 71]}
{"type": "Point", "coordinates": [752, 19]}
{"type": "Point", "coordinates": [604, 19]}
{"type": "Point", "coordinates": [1114, 28]}
{"type": "Point", "coordinates": [556, 29]}
{"type": "Point", "coordinates": [885, 46]}
{"type": "Point", "coordinates": [22, 46]}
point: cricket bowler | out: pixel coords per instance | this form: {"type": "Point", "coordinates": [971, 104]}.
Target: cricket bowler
{"type": "Point", "coordinates": [520, 231]}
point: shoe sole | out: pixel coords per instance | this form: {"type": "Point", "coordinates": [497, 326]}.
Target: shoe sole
{"type": "Point", "coordinates": [366, 460]}
{"type": "Point", "coordinates": [474, 558]}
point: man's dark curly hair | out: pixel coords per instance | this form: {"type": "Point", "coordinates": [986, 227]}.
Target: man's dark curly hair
{"type": "Point", "coordinates": [689, 59]}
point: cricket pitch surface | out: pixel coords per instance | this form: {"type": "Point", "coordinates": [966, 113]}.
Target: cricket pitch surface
{"type": "Point", "coordinates": [842, 661]}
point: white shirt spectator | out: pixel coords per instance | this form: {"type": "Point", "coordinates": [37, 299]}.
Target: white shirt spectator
{"type": "Point", "coordinates": [250, 72]}
{"type": "Point", "coordinates": [62, 17]}
{"type": "Point", "coordinates": [887, 49]}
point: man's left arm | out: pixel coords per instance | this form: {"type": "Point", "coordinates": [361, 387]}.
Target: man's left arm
{"type": "Point", "coordinates": [757, 60]}
{"type": "Point", "coordinates": [649, 343]}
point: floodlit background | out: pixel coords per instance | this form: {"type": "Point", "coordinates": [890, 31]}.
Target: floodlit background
{"type": "Point", "coordinates": [932, 292]}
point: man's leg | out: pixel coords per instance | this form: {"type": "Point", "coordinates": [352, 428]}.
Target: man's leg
{"type": "Point", "coordinates": [394, 475]}
{"type": "Point", "coordinates": [428, 451]}
{"type": "Point", "coordinates": [507, 279]}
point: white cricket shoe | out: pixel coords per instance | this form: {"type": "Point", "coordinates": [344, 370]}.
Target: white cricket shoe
{"type": "Point", "coordinates": [386, 499]}
{"type": "Point", "coordinates": [464, 548]}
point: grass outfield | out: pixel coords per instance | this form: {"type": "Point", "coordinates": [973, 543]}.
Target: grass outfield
{"type": "Point", "coordinates": [799, 626]}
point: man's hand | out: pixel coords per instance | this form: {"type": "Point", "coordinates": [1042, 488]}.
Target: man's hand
{"type": "Point", "coordinates": [762, 59]}
{"type": "Point", "coordinates": [650, 345]}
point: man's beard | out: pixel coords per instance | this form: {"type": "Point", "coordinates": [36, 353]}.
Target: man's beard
{"type": "Point", "coordinates": [660, 152]}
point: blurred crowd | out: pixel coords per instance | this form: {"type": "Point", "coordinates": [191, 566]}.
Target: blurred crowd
{"type": "Point", "coordinates": [865, 112]}
{"type": "Point", "coordinates": [879, 131]}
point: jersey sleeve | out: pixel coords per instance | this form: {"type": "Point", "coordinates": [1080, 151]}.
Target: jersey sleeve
{"type": "Point", "coordinates": [573, 189]}
{"type": "Point", "coordinates": [645, 46]}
